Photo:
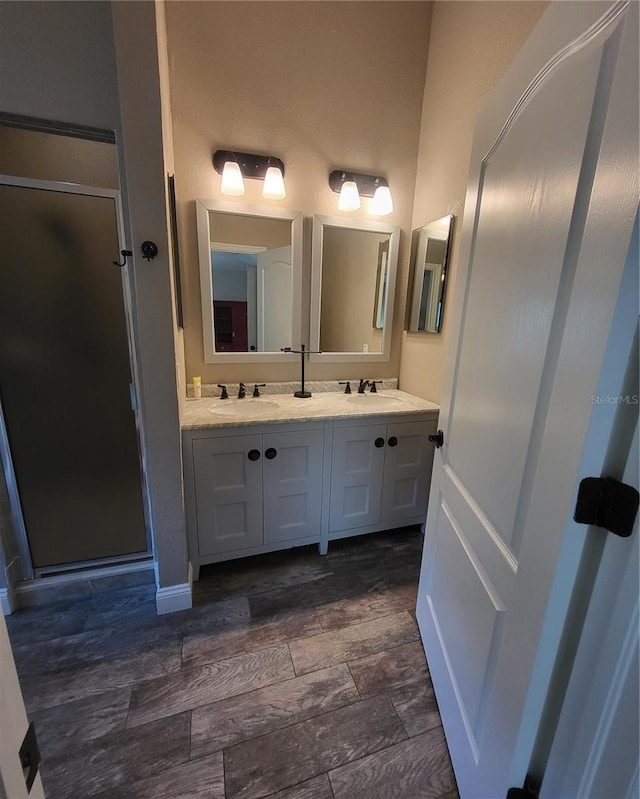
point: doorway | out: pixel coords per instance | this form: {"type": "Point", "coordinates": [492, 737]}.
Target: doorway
{"type": "Point", "coordinates": [69, 429]}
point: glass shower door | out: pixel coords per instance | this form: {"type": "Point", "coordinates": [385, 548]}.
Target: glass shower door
{"type": "Point", "coordinates": [65, 377]}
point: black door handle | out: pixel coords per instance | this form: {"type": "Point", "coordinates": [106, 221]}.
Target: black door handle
{"type": "Point", "coordinates": [379, 442]}
{"type": "Point", "coordinates": [253, 454]}
{"type": "Point", "coordinates": [393, 441]}
{"type": "Point", "coordinates": [437, 439]}
{"type": "Point", "coordinates": [270, 453]}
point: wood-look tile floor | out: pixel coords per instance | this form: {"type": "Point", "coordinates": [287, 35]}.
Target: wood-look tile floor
{"type": "Point", "coordinates": [294, 676]}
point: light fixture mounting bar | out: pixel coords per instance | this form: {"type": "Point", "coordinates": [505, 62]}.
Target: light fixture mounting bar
{"type": "Point", "coordinates": [251, 165]}
{"type": "Point", "coordinates": [367, 184]}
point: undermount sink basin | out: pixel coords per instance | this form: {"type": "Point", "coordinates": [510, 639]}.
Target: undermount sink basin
{"type": "Point", "coordinates": [373, 400]}
{"type": "Point", "coordinates": [244, 407]}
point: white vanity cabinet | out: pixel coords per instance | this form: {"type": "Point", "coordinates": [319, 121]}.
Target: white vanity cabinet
{"type": "Point", "coordinates": [252, 492]}
{"type": "Point", "coordinates": [289, 472]}
{"type": "Point", "coordinates": [380, 475]}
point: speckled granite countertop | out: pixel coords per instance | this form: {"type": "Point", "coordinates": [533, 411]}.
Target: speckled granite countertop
{"type": "Point", "coordinates": [210, 412]}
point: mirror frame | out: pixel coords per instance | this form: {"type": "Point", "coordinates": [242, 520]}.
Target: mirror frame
{"type": "Point", "coordinates": [203, 207]}
{"type": "Point", "coordinates": [419, 240]}
{"type": "Point", "coordinates": [319, 223]}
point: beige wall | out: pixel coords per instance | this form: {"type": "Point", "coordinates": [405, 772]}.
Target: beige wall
{"type": "Point", "coordinates": [349, 282]}
{"type": "Point", "coordinates": [470, 49]}
{"type": "Point", "coordinates": [321, 85]}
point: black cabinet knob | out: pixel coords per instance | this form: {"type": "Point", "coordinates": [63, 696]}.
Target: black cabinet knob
{"type": "Point", "coordinates": [270, 453]}
{"type": "Point", "coordinates": [437, 439]}
{"type": "Point", "coordinates": [393, 441]}
{"type": "Point", "coordinates": [254, 454]}
{"type": "Point", "coordinates": [379, 442]}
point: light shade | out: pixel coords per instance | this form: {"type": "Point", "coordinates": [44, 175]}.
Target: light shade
{"type": "Point", "coordinates": [231, 182]}
{"type": "Point", "coordinates": [382, 202]}
{"type": "Point", "coordinates": [273, 187]}
{"type": "Point", "coordinates": [349, 199]}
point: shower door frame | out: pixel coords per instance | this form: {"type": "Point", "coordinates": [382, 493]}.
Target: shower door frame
{"type": "Point", "coordinates": [27, 571]}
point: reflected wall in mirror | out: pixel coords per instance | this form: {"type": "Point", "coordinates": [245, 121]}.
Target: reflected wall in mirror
{"type": "Point", "coordinates": [353, 283]}
{"type": "Point", "coordinates": [429, 264]}
{"type": "Point", "coordinates": [249, 280]}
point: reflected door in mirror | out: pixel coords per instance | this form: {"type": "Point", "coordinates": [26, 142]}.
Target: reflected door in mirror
{"type": "Point", "coordinates": [429, 270]}
{"type": "Point", "coordinates": [251, 265]}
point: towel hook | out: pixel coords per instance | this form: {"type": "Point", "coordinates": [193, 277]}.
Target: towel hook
{"type": "Point", "coordinates": [125, 254]}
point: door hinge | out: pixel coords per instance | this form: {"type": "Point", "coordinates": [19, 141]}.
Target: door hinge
{"type": "Point", "coordinates": [30, 757]}
{"type": "Point", "coordinates": [528, 791]}
{"type": "Point", "coordinates": [608, 503]}
{"type": "Point", "coordinates": [134, 396]}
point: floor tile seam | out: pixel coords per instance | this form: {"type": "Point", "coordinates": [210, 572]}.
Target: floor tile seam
{"type": "Point", "coordinates": [256, 594]}
{"type": "Point", "coordinates": [355, 701]}
{"type": "Point", "coordinates": [273, 684]}
{"type": "Point", "coordinates": [353, 678]}
{"type": "Point", "coordinates": [292, 723]}
{"type": "Point", "coordinates": [363, 757]}
{"type": "Point", "coordinates": [222, 699]}
{"type": "Point", "coordinates": [36, 710]}
{"type": "Point", "coordinates": [348, 661]}
{"type": "Point", "coordinates": [182, 671]}
{"type": "Point", "coordinates": [374, 618]}
{"type": "Point", "coordinates": [355, 624]}
{"type": "Point", "coordinates": [248, 652]}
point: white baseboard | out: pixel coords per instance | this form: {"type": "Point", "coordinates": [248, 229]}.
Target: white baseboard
{"type": "Point", "coordinates": [173, 598]}
{"type": "Point", "coordinates": [7, 602]}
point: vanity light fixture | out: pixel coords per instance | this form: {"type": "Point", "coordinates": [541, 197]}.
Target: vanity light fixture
{"type": "Point", "coordinates": [236, 167]}
{"type": "Point", "coordinates": [353, 185]}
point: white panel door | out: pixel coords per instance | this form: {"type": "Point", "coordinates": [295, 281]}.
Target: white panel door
{"type": "Point", "coordinates": [548, 218]}
{"type": "Point", "coordinates": [292, 480]}
{"type": "Point", "coordinates": [228, 481]}
{"type": "Point", "coordinates": [274, 299]}
{"type": "Point", "coordinates": [407, 471]}
{"type": "Point", "coordinates": [13, 726]}
{"type": "Point", "coordinates": [357, 468]}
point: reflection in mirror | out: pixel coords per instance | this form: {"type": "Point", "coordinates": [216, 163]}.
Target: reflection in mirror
{"type": "Point", "coordinates": [353, 281]}
{"type": "Point", "coordinates": [249, 278]}
{"type": "Point", "coordinates": [429, 275]}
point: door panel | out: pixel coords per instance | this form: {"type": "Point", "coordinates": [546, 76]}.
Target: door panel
{"type": "Point", "coordinates": [509, 314]}
{"type": "Point", "coordinates": [534, 307]}
{"type": "Point", "coordinates": [293, 485]}
{"type": "Point", "coordinates": [357, 467]}
{"type": "Point", "coordinates": [65, 375]}
{"type": "Point", "coordinates": [274, 291]}
{"type": "Point", "coordinates": [228, 493]}
{"type": "Point", "coordinates": [407, 471]}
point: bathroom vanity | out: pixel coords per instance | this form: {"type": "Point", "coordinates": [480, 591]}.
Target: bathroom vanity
{"type": "Point", "coordinates": [276, 472]}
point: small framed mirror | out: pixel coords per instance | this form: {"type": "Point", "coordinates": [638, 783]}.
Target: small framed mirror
{"type": "Point", "coordinates": [353, 278]}
{"type": "Point", "coordinates": [250, 281]}
{"type": "Point", "coordinates": [428, 276]}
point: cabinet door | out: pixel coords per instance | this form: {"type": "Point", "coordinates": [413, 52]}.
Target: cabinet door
{"type": "Point", "coordinates": [407, 472]}
{"type": "Point", "coordinates": [228, 493]}
{"type": "Point", "coordinates": [357, 466]}
{"type": "Point", "coordinates": [292, 480]}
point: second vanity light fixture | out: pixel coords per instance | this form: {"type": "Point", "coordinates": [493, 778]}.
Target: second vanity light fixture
{"type": "Point", "coordinates": [353, 185]}
{"type": "Point", "coordinates": [235, 167]}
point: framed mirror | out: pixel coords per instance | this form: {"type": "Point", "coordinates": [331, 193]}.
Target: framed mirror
{"type": "Point", "coordinates": [250, 281]}
{"type": "Point", "coordinates": [353, 279]}
{"type": "Point", "coordinates": [428, 276]}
